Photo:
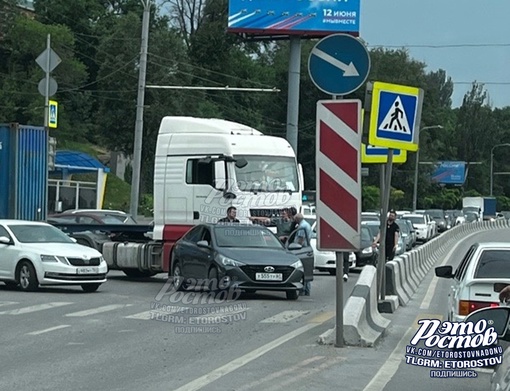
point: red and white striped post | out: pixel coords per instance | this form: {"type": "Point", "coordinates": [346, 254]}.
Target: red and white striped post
{"type": "Point", "coordinates": [338, 178]}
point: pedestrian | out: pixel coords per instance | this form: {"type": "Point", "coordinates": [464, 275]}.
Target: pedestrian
{"type": "Point", "coordinates": [303, 236]}
{"type": "Point", "coordinates": [285, 223]}
{"type": "Point", "coordinates": [231, 216]}
{"type": "Point", "coordinates": [346, 265]}
{"type": "Point", "coordinates": [392, 234]}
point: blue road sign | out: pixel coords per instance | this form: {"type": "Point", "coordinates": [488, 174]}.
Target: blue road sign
{"type": "Point", "coordinates": [339, 64]}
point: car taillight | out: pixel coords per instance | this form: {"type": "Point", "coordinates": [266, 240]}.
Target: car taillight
{"type": "Point", "coordinates": [466, 307]}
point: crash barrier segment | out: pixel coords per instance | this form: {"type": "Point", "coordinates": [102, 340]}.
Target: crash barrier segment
{"type": "Point", "coordinates": [405, 273]}
{"type": "Point", "coordinates": [363, 324]}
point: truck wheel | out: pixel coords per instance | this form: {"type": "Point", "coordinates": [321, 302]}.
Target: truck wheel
{"type": "Point", "coordinates": [27, 277]}
{"type": "Point", "coordinates": [90, 287]}
{"type": "Point", "coordinates": [135, 273]}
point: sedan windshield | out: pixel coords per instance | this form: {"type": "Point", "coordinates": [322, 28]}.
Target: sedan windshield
{"type": "Point", "coordinates": [248, 237]}
{"type": "Point", "coordinates": [435, 214]}
{"type": "Point", "coordinates": [39, 234]}
{"type": "Point", "coordinates": [267, 174]}
{"type": "Point", "coordinates": [416, 220]}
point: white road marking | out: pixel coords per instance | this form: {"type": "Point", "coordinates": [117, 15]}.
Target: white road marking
{"type": "Point", "coordinates": [210, 377]}
{"type": "Point", "coordinates": [76, 343]}
{"type": "Point", "coordinates": [98, 310]}
{"type": "Point", "coordinates": [4, 303]}
{"type": "Point", "coordinates": [425, 304]}
{"type": "Point", "coordinates": [278, 375]}
{"type": "Point", "coordinates": [284, 317]}
{"type": "Point", "coordinates": [485, 370]}
{"type": "Point", "coordinates": [147, 315]}
{"type": "Point", "coordinates": [34, 308]}
{"type": "Point", "coordinates": [63, 326]}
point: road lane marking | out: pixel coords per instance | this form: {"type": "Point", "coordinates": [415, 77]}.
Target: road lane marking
{"type": "Point", "coordinates": [416, 326]}
{"type": "Point", "coordinates": [277, 375]}
{"type": "Point", "coordinates": [321, 318]}
{"type": "Point", "coordinates": [284, 317]}
{"type": "Point", "coordinates": [217, 314]}
{"type": "Point", "coordinates": [4, 303]}
{"type": "Point", "coordinates": [147, 315]}
{"type": "Point", "coordinates": [98, 310]}
{"type": "Point", "coordinates": [34, 308]}
{"type": "Point", "coordinates": [63, 326]}
{"type": "Point", "coordinates": [425, 304]}
{"type": "Point", "coordinates": [239, 362]}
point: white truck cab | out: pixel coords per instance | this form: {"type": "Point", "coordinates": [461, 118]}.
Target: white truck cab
{"type": "Point", "coordinates": [204, 166]}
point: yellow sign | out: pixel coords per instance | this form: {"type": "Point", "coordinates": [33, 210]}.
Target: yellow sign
{"type": "Point", "coordinates": [395, 116]}
{"type": "Point", "coordinates": [53, 114]}
{"type": "Point", "coordinates": [371, 154]}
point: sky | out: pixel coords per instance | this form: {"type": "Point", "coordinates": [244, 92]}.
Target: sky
{"type": "Point", "coordinates": [473, 39]}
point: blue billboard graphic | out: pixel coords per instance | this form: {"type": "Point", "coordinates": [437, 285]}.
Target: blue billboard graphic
{"type": "Point", "coordinates": [450, 173]}
{"type": "Point", "coordinates": [294, 17]}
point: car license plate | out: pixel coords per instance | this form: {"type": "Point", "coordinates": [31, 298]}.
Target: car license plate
{"type": "Point", "coordinates": [87, 270]}
{"type": "Point", "coordinates": [269, 276]}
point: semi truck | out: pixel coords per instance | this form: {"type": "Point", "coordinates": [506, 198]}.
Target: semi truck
{"type": "Point", "coordinates": [201, 168]}
{"type": "Point", "coordinates": [485, 207]}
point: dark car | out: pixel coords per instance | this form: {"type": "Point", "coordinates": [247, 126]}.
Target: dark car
{"type": "Point", "coordinates": [367, 255]}
{"type": "Point", "coordinates": [248, 257]}
{"type": "Point", "coordinates": [439, 217]}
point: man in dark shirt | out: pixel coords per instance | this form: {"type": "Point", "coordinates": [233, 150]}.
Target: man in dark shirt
{"type": "Point", "coordinates": [392, 234]}
{"type": "Point", "coordinates": [231, 216]}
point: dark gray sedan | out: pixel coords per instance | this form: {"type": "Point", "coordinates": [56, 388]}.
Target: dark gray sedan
{"type": "Point", "coordinates": [248, 257]}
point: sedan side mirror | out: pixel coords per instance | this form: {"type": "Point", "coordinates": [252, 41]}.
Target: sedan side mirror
{"type": "Point", "coordinates": [5, 240]}
{"type": "Point", "coordinates": [496, 317]}
{"type": "Point", "coordinates": [74, 240]}
{"type": "Point", "coordinates": [444, 272]}
{"type": "Point", "coordinates": [295, 246]}
{"type": "Point", "coordinates": [203, 243]}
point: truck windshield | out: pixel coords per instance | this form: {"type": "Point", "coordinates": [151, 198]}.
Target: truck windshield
{"type": "Point", "coordinates": [268, 174]}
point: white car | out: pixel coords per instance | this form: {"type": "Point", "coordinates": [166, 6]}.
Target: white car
{"type": "Point", "coordinates": [421, 226]}
{"type": "Point", "coordinates": [34, 254]}
{"type": "Point", "coordinates": [325, 261]}
{"type": "Point", "coordinates": [473, 283]}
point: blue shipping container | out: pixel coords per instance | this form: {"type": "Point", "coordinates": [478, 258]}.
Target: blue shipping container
{"type": "Point", "coordinates": [23, 172]}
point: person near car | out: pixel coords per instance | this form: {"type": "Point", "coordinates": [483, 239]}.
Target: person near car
{"type": "Point", "coordinates": [285, 223]}
{"type": "Point", "coordinates": [504, 295]}
{"type": "Point", "coordinates": [303, 237]}
{"type": "Point", "coordinates": [392, 234]}
{"type": "Point", "coordinates": [346, 265]}
{"type": "Point", "coordinates": [231, 216]}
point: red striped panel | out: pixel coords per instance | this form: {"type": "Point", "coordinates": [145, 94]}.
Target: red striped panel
{"type": "Point", "coordinates": [339, 151]}
{"type": "Point", "coordinates": [339, 200]}
{"type": "Point", "coordinates": [347, 112]}
{"type": "Point", "coordinates": [330, 238]}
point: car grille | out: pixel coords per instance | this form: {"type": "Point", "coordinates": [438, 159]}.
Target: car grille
{"type": "Point", "coordinates": [84, 262]}
{"type": "Point", "coordinates": [251, 270]}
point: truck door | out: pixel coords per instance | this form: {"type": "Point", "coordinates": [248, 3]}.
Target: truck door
{"type": "Point", "coordinates": [207, 177]}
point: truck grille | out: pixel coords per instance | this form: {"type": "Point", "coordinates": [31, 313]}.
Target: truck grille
{"type": "Point", "coordinates": [251, 270]}
{"type": "Point", "coordinates": [83, 262]}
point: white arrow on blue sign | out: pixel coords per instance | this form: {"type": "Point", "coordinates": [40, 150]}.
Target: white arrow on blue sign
{"type": "Point", "coordinates": [339, 64]}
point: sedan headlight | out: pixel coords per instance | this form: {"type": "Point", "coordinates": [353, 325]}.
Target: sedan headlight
{"type": "Point", "coordinates": [54, 258]}
{"type": "Point", "coordinates": [298, 265]}
{"type": "Point", "coordinates": [368, 250]}
{"type": "Point", "coordinates": [226, 261]}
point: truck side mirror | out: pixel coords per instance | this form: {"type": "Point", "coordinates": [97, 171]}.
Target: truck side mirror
{"type": "Point", "coordinates": [229, 195]}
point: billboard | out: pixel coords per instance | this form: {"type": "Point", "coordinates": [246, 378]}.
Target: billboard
{"type": "Point", "coordinates": [450, 173]}
{"type": "Point", "coordinates": [315, 18]}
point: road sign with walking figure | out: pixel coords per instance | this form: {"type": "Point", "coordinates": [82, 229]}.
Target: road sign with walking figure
{"type": "Point", "coordinates": [395, 116]}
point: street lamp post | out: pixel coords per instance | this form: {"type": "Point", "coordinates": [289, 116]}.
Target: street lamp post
{"type": "Point", "coordinates": [415, 192]}
{"type": "Point", "coordinates": [492, 164]}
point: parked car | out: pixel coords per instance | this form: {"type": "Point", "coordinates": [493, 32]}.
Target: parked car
{"type": "Point", "coordinates": [439, 217]}
{"type": "Point", "coordinates": [249, 257]}
{"type": "Point", "coordinates": [34, 254]}
{"type": "Point", "coordinates": [405, 233]}
{"type": "Point", "coordinates": [325, 261]}
{"type": "Point", "coordinates": [421, 226]}
{"type": "Point", "coordinates": [367, 255]}
{"type": "Point", "coordinates": [92, 216]}
{"type": "Point", "coordinates": [473, 283]}
{"type": "Point", "coordinates": [411, 230]}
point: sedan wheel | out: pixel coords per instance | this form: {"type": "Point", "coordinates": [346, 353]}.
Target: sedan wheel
{"type": "Point", "coordinates": [292, 295]}
{"type": "Point", "coordinates": [27, 277]}
{"type": "Point", "coordinates": [178, 278]}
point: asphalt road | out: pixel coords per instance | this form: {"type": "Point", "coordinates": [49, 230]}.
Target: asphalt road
{"type": "Point", "coordinates": [64, 339]}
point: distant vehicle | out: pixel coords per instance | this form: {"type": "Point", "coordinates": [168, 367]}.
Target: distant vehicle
{"type": "Point", "coordinates": [473, 284]}
{"type": "Point", "coordinates": [373, 226]}
{"type": "Point", "coordinates": [370, 216]}
{"type": "Point", "coordinates": [92, 216]}
{"type": "Point", "coordinates": [421, 226]}
{"type": "Point", "coordinates": [401, 213]}
{"type": "Point", "coordinates": [439, 216]}
{"type": "Point", "coordinates": [367, 255]}
{"type": "Point", "coordinates": [34, 254]}
{"type": "Point", "coordinates": [471, 217]}
{"type": "Point", "coordinates": [452, 216]}
{"type": "Point", "coordinates": [401, 246]}
{"type": "Point", "coordinates": [405, 232]}
{"type": "Point", "coordinates": [412, 231]}
{"type": "Point", "coordinates": [249, 257]}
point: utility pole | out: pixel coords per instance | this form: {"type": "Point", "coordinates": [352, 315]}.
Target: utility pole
{"type": "Point", "coordinates": [137, 150]}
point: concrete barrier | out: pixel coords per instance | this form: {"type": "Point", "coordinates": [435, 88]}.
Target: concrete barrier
{"type": "Point", "coordinates": [394, 282]}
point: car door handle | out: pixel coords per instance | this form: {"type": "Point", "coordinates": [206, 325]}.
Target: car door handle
{"type": "Point", "coordinates": [310, 254]}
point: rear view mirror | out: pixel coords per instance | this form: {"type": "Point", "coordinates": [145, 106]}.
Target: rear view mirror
{"type": "Point", "coordinates": [496, 317]}
{"type": "Point", "coordinates": [444, 272]}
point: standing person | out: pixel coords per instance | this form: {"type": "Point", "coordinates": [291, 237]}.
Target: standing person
{"type": "Point", "coordinates": [285, 224]}
{"type": "Point", "coordinates": [231, 216]}
{"type": "Point", "coordinates": [303, 237]}
{"type": "Point", "coordinates": [392, 234]}
{"type": "Point", "coordinates": [346, 265]}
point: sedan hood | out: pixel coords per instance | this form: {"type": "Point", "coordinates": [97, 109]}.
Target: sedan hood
{"type": "Point", "coordinates": [61, 249]}
{"type": "Point", "coordinates": [259, 256]}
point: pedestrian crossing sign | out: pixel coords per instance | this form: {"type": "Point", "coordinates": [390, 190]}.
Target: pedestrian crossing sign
{"type": "Point", "coordinates": [395, 116]}
{"type": "Point", "coordinates": [53, 114]}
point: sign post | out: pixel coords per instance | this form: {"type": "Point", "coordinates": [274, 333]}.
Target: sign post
{"type": "Point", "coordinates": [48, 61]}
{"type": "Point", "coordinates": [394, 124]}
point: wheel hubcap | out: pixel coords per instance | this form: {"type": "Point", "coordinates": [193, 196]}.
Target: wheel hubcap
{"type": "Point", "coordinates": [177, 277]}
{"type": "Point", "coordinates": [24, 277]}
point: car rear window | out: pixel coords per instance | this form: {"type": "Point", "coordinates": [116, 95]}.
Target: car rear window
{"type": "Point", "coordinates": [494, 264]}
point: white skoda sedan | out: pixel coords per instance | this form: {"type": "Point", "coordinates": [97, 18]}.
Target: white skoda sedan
{"type": "Point", "coordinates": [34, 254]}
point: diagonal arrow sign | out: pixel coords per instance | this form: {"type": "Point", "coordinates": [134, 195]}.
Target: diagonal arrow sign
{"type": "Point", "coordinates": [349, 70]}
